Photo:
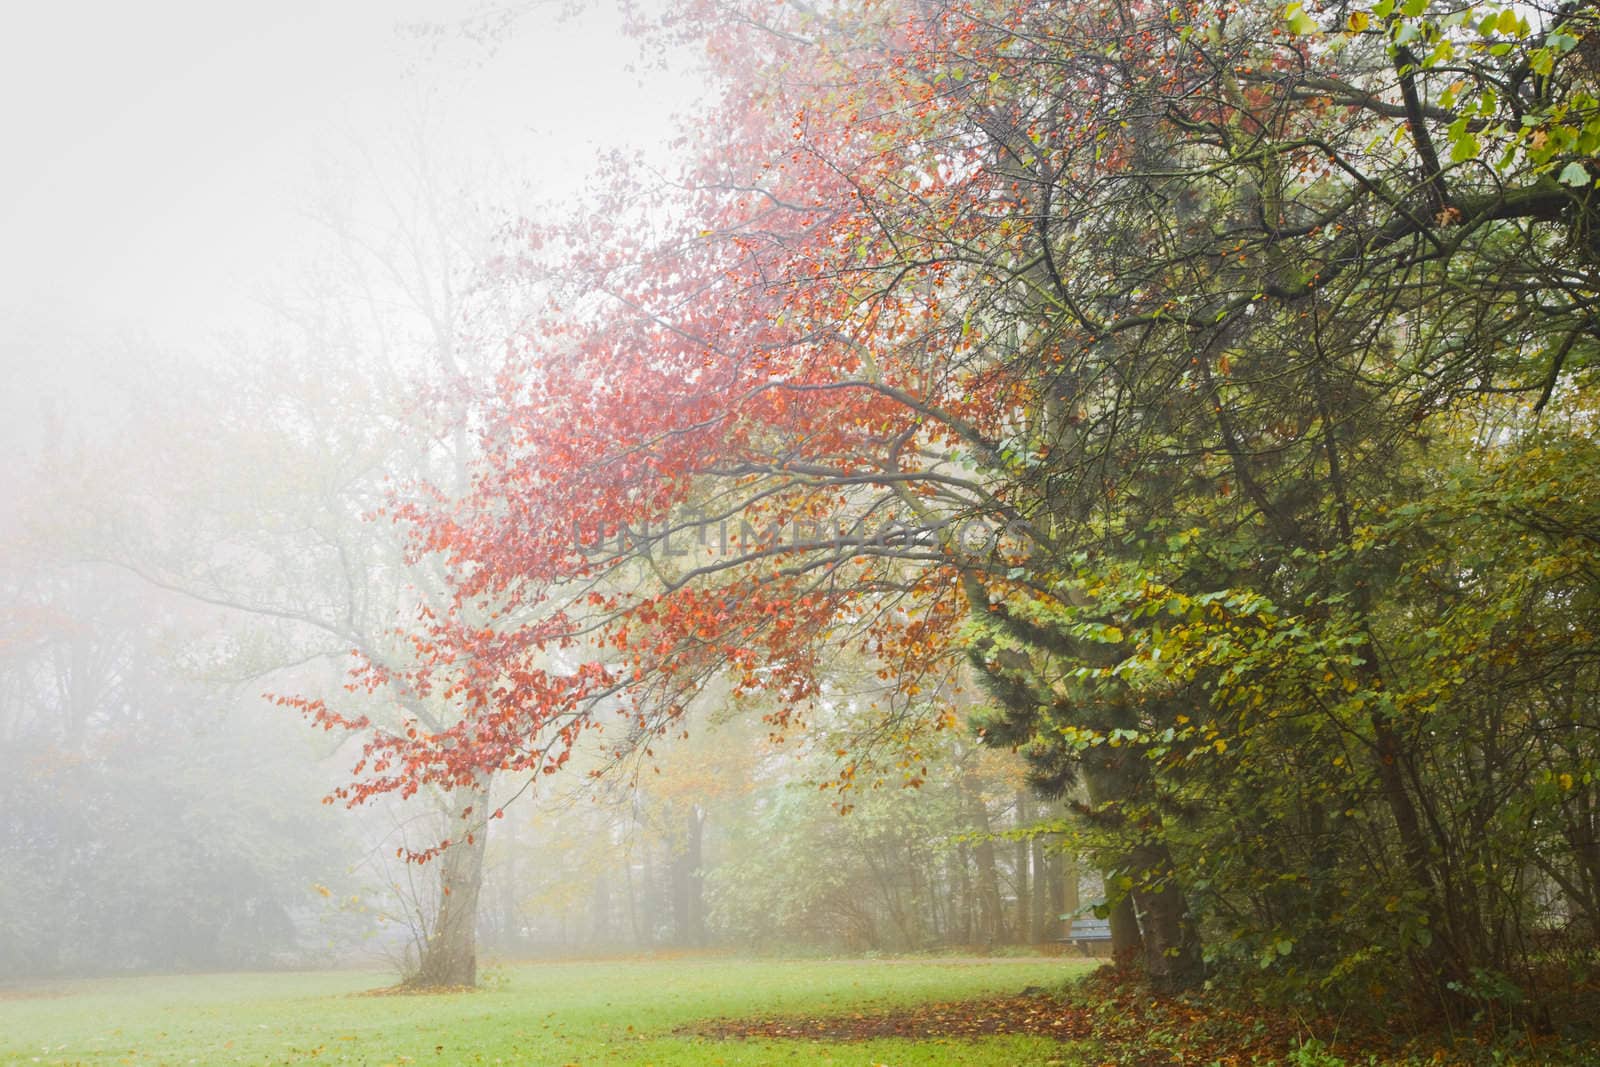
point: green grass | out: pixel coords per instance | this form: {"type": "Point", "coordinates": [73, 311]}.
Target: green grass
{"type": "Point", "coordinates": [590, 1013]}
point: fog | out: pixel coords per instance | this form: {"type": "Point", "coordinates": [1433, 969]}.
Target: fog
{"type": "Point", "coordinates": [241, 246]}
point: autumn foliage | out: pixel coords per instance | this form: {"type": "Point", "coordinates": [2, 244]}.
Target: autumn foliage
{"type": "Point", "coordinates": [1097, 350]}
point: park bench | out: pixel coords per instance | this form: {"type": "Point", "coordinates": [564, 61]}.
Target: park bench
{"type": "Point", "coordinates": [1086, 932]}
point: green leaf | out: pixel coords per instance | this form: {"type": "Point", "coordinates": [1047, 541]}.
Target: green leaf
{"type": "Point", "coordinates": [1574, 174]}
{"type": "Point", "coordinates": [1463, 148]}
{"type": "Point", "coordinates": [1299, 22]}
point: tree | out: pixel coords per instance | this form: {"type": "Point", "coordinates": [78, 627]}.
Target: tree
{"type": "Point", "coordinates": [353, 386]}
{"type": "Point", "coordinates": [1081, 346]}
{"type": "Point", "coordinates": [152, 817]}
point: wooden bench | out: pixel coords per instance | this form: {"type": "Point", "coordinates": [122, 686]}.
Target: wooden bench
{"type": "Point", "coordinates": [1086, 932]}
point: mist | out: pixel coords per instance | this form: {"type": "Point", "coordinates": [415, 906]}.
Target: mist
{"type": "Point", "coordinates": [250, 262]}
{"type": "Point", "coordinates": [725, 530]}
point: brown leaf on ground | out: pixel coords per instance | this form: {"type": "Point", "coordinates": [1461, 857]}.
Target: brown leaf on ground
{"type": "Point", "coordinates": [1040, 1016]}
{"type": "Point", "coordinates": [404, 990]}
{"type": "Point", "coordinates": [24, 993]}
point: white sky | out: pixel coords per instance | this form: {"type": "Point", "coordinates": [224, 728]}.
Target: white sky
{"type": "Point", "coordinates": [156, 152]}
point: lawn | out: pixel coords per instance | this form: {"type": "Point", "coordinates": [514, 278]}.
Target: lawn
{"type": "Point", "coordinates": [590, 1013]}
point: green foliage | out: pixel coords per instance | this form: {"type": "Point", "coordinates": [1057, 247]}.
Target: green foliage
{"type": "Point", "coordinates": [148, 821]}
{"type": "Point", "coordinates": [1521, 89]}
{"type": "Point", "coordinates": [891, 875]}
{"type": "Point", "coordinates": [1318, 646]}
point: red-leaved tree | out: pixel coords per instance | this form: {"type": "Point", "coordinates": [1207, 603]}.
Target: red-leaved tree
{"type": "Point", "coordinates": [957, 299]}
{"type": "Point", "coordinates": [790, 406]}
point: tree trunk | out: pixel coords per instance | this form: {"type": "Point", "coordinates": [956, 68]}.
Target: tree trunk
{"type": "Point", "coordinates": [600, 911]}
{"type": "Point", "coordinates": [688, 884]}
{"type": "Point", "coordinates": [922, 908]}
{"type": "Point", "coordinates": [991, 918]}
{"type": "Point", "coordinates": [634, 924]}
{"type": "Point", "coordinates": [506, 925]}
{"type": "Point", "coordinates": [1068, 902]}
{"type": "Point", "coordinates": [1046, 890]}
{"type": "Point", "coordinates": [1127, 943]}
{"type": "Point", "coordinates": [991, 915]}
{"type": "Point", "coordinates": [1171, 944]}
{"type": "Point", "coordinates": [962, 880]}
{"type": "Point", "coordinates": [1172, 956]}
{"type": "Point", "coordinates": [650, 901]}
{"type": "Point", "coordinates": [450, 953]}
{"type": "Point", "coordinates": [1024, 921]}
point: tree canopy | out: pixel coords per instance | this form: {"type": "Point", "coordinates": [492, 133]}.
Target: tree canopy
{"type": "Point", "coordinates": [1213, 383]}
